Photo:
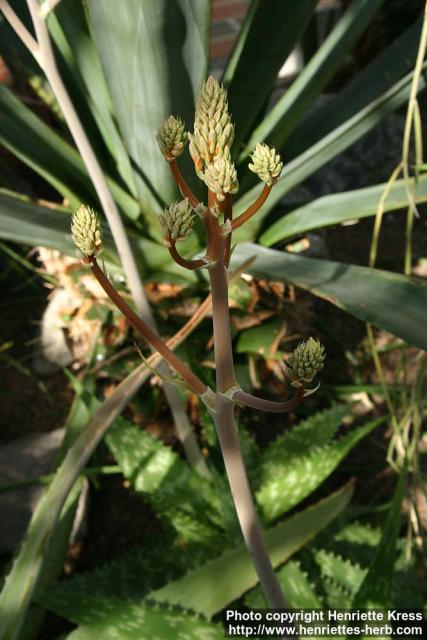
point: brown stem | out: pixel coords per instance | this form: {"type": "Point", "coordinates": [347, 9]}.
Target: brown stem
{"type": "Point", "coordinates": [195, 384]}
{"type": "Point", "coordinates": [246, 215]}
{"type": "Point", "coordinates": [183, 186]}
{"type": "Point", "coordinates": [220, 311]}
{"type": "Point", "coordinates": [183, 262]}
{"type": "Point", "coordinates": [268, 405]}
{"type": "Point", "coordinates": [223, 416]}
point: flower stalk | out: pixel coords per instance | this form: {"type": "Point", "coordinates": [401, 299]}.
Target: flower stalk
{"type": "Point", "coordinates": [210, 150]}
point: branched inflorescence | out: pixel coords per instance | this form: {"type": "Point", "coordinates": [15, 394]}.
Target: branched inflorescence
{"type": "Point", "coordinates": [210, 149]}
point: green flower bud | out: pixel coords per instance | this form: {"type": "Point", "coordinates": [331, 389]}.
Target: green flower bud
{"type": "Point", "coordinates": [177, 221]}
{"type": "Point", "coordinates": [86, 232]}
{"type": "Point", "coordinates": [221, 177]}
{"type": "Point", "coordinates": [306, 360]}
{"type": "Point", "coordinates": [172, 137]}
{"type": "Point", "coordinates": [267, 164]}
{"type": "Point", "coordinates": [213, 129]}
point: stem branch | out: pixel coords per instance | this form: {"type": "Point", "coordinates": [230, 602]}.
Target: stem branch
{"type": "Point", "coordinates": [183, 186]}
{"type": "Point", "coordinates": [195, 384]}
{"type": "Point", "coordinates": [268, 405]}
{"type": "Point", "coordinates": [251, 211]}
{"type": "Point", "coordinates": [183, 262]}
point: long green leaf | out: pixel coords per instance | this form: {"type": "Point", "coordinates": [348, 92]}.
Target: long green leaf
{"type": "Point", "coordinates": [368, 294]}
{"type": "Point", "coordinates": [27, 137]}
{"type": "Point", "coordinates": [128, 621]}
{"type": "Point", "coordinates": [174, 489]}
{"type": "Point", "coordinates": [69, 30]}
{"type": "Point", "coordinates": [376, 590]}
{"type": "Point", "coordinates": [330, 56]}
{"type": "Point", "coordinates": [244, 34]}
{"type": "Point", "coordinates": [327, 148]}
{"type": "Point", "coordinates": [27, 569]}
{"type": "Point", "coordinates": [291, 479]}
{"type": "Point", "coordinates": [312, 433]}
{"type": "Point", "coordinates": [26, 223]}
{"type": "Point", "coordinates": [294, 582]}
{"type": "Point", "coordinates": [278, 25]}
{"type": "Point", "coordinates": [368, 85]}
{"type": "Point", "coordinates": [341, 207]}
{"type": "Point", "coordinates": [154, 56]}
{"type": "Point", "coordinates": [211, 588]}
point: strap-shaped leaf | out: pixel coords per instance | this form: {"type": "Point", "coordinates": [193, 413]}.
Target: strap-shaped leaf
{"type": "Point", "coordinates": [33, 142]}
{"type": "Point", "coordinates": [294, 582]}
{"type": "Point", "coordinates": [211, 588]}
{"type": "Point", "coordinates": [26, 223]}
{"type": "Point", "coordinates": [278, 25]}
{"type": "Point", "coordinates": [205, 590]}
{"type": "Point", "coordinates": [377, 588]}
{"type": "Point", "coordinates": [341, 207]}
{"type": "Point", "coordinates": [126, 621]}
{"type": "Point", "coordinates": [176, 491]}
{"type": "Point", "coordinates": [324, 150]}
{"type": "Point", "coordinates": [368, 294]}
{"type": "Point", "coordinates": [314, 432]}
{"type": "Point", "coordinates": [397, 60]}
{"type": "Point", "coordinates": [283, 117]}
{"type": "Point", "coordinates": [27, 568]}
{"type": "Point", "coordinates": [69, 30]}
{"type": "Point", "coordinates": [288, 481]}
{"type": "Point", "coordinates": [154, 56]}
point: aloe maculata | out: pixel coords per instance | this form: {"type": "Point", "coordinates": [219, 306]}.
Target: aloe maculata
{"type": "Point", "coordinates": [210, 150]}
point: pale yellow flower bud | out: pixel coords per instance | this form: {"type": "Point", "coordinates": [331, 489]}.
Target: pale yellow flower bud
{"type": "Point", "coordinates": [306, 361]}
{"type": "Point", "coordinates": [221, 178]}
{"type": "Point", "coordinates": [266, 163]}
{"type": "Point", "coordinates": [86, 232]}
{"type": "Point", "coordinates": [177, 221]}
{"type": "Point", "coordinates": [213, 129]}
{"type": "Point", "coordinates": [172, 137]}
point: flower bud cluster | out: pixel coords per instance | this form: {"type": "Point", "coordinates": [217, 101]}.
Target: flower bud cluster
{"type": "Point", "coordinates": [306, 361]}
{"type": "Point", "coordinates": [221, 177]}
{"type": "Point", "coordinates": [86, 232]}
{"type": "Point", "coordinates": [213, 129]}
{"type": "Point", "coordinates": [172, 137]}
{"type": "Point", "coordinates": [211, 140]}
{"type": "Point", "coordinates": [177, 221]}
{"type": "Point", "coordinates": [266, 163]}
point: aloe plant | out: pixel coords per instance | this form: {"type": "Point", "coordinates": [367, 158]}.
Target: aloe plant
{"type": "Point", "coordinates": [113, 108]}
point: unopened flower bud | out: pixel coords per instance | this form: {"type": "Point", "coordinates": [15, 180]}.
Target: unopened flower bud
{"type": "Point", "coordinates": [172, 137]}
{"type": "Point", "coordinates": [213, 129]}
{"type": "Point", "coordinates": [177, 221]}
{"type": "Point", "coordinates": [86, 232]}
{"type": "Point", "coordinates": [266, 163]}
{"type": "Point", "coordinates": [221, 178]}
{"type": "Point", "coordinates": [306, 360]}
